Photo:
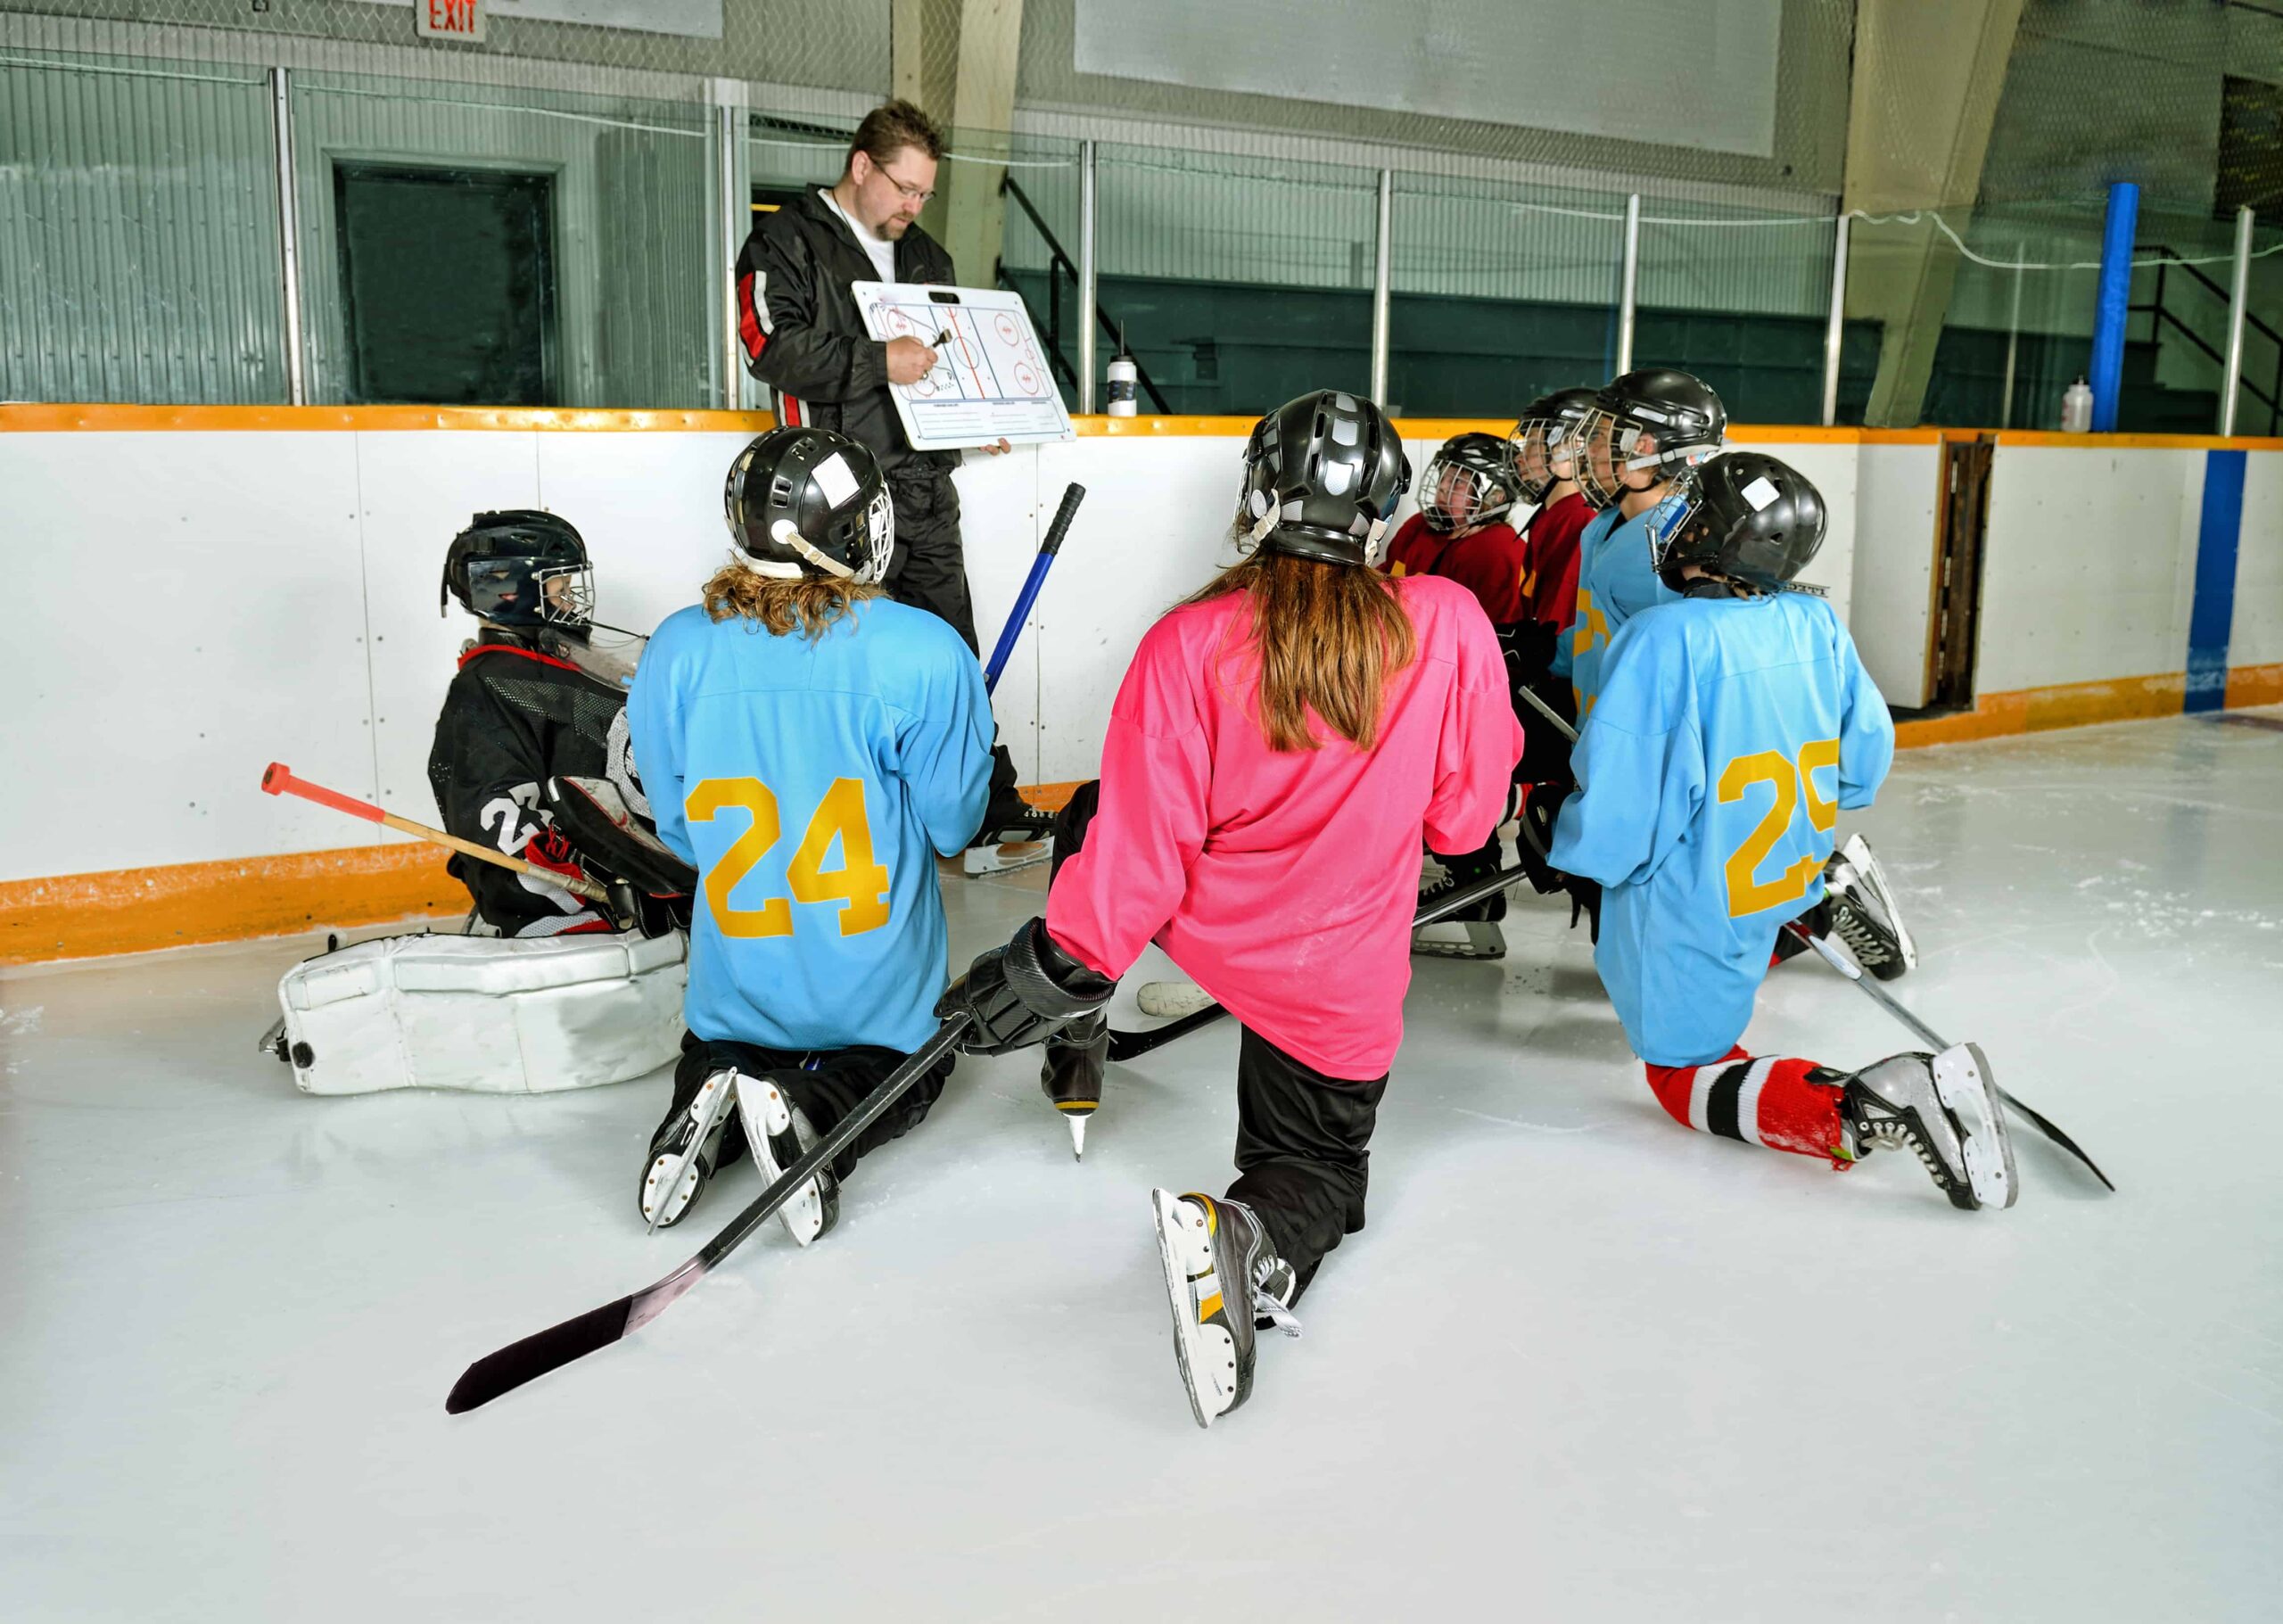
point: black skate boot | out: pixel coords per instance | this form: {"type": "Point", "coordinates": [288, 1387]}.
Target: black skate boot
{"type": "Point", "coordinates": [1222, 1283]}
{"type": "Point", "coordinates": [1014, 836]}
{"type": "Point", "coordinates": [1473, 932]}
{"type": "Point", "coordinates": [685, 1150]}
{"type": "Point", "coordinates": [1071, 1073]}
{"type": "Point", "coordinates": [1946, 1108]}
{"type": "Point", "coordinates": [780, 1134]}
{"type": "Point", "coordinates": [1863, 911]}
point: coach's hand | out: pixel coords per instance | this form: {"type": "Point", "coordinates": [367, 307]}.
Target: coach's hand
{"type": "Point", "coordinates": [909, 360]}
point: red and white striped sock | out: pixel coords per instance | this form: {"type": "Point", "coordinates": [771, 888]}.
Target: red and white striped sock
{"type": "Point", "coordinates": [1784, 1104]}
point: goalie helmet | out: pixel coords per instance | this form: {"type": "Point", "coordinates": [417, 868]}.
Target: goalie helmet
{"type": "Point", "coordinates": [1468, 483]}
{"type": "Point", "coordinates": [1657, 422]}
{"type": "Point", "coordinates": [521, 568]}
{"type": "Point", "coordinates": [1743, 517]}
{"type": "Point", "coordinates": [1322, 473]}
{"type": "Point", "coordinates": [810, 502]}
{"type": "Point", "coordinates": [1548, 440]}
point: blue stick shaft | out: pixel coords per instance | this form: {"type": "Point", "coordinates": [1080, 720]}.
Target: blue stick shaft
{"type": "Point", "coordinates": [2106, 374]}
{"type": "Point", "coordinates": [1072, 495]}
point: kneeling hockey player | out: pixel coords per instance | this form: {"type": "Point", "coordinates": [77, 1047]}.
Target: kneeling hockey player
{"type": "Point", "coordinates": [1733, 726]}
{"type": "Point", "coordinates": [1279, 743]}
{"type": "Point", "coordinates": [809, 747]}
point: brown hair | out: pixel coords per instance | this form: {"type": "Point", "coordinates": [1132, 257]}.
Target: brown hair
{"type": "Point", "coordinates": [1328, 637]}
{"type": "Point", "coordinates": [810, 604]}
{"type": "Point", "coordinates": [890, 127]}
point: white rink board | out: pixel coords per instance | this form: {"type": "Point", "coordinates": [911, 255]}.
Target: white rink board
{"type": "Point", "coordinates": [1897, 487]}
{"type": "Point", "coordinates": [235, 630]}
{"type": "Point", "coordinates": [2088, 565]}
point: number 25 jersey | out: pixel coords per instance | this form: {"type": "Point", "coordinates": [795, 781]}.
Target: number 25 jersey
{"type": "Point", "coordinates": [1729, 735]}
{"type": "Point", "coordinates": [811, 782]}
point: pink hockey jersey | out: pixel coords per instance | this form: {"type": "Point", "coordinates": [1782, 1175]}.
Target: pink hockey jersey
{"type": "Point", "coordinates": [1285, 882]}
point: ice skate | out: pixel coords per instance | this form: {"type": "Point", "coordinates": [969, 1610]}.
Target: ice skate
{"type": "Point", "coordinates": [1211, 1250]}
{"type": "Point", "coordinates": [685, 1150]}
{"type": "Point", "coordinates": [1946, 1108]}
{"type": "Point", "coordinates": [1863, 911]}
{"type": "Point", "coordinates": [1014, 836]}
{"type": "Point", "coordinates": [1471, 933]}
{"type": "Point", "coordinates": [780, 1134]}
{"type": "Point", "coordinates": [1071, 1072]}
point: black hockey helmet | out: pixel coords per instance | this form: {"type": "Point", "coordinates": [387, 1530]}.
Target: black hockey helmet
{"type": "Point", "coordinates": [1656, 421]}
{"type": "Point", "coordinates": [1744, 516]}
{"type": "Point", "coordinates": [1547, 440]}
{"type": "Point", "coordinates": [1322, 473]}
{"type": "Point", "coordinates": [1468, 481]}
{"type": "Point", "coordinates": [520, 567]}
{"type": "Point", "coordinates": [808, 501]}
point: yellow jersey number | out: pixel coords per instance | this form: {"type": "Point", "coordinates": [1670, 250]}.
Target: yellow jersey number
{"type": "Point", "coordinates": [860, 884]}
{"type": "Point", "coordinates": [1790, 780]}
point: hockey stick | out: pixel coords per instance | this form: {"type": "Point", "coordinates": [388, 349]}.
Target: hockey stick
{"type": "Point", "coordinates": [277, 779]}
{"type": "Point", "coordinates": [1927, 1034]}
{"type": "Point", "coordinates": [1550, 714]}
{"type": "Point", "coordinates": [574, 1339]}
{"type": "Point", "coordinates": [1072, 495]}
{"type": "Point", "coordinates": [1129, 1046]}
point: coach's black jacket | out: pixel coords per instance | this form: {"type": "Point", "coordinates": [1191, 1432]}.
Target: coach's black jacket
{"type": "Point", "coordinates": [804, 337]}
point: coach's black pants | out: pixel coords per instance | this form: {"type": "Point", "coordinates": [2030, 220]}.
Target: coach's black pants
{"type": "Point", "coordinates": [837, 1086]}
{"type": "Point", "coordinates": [1302, 1138]}
{"type": "Point", "coordinates": [928, 571]}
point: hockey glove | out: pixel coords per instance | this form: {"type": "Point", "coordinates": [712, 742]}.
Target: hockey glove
{"type": "Point", "coordinates": [1529, 646]}
{"type": "Point", "coordinates": [1545, 753]}
{"type": "Point", "coordinates": [1540, 809]}
{"type": "Point", "coordinates": [1585, 898]}
{"type": "Point", "coordinates": [1022, 994]}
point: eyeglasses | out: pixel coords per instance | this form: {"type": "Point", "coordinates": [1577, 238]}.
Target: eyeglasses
{"type": "Point", "coordinates": [911, 194]}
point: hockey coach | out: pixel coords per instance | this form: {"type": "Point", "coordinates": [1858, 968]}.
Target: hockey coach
{"type": "Point", "coordinates": [803, 336]}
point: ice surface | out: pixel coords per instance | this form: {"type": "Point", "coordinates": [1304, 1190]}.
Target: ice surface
{"type": "Point", "coordinates": [1583, 1364]}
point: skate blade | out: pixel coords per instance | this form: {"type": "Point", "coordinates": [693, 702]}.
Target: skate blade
{"type": "Point", "coordinates": [1006, 857]}
{"type": "Point", "coordinates": [772, 1118]}
{"type": "Point", "coordinates": [713, 1102]}
{"type": "Point", "coordinates": [1968, 1091]}
{"type": "Point", "coordinates": [1180, 1244]}
{"type": "Point", "coordinates": [1482, 939]}
{"type": "Point", "coordinates": [1865, 862]}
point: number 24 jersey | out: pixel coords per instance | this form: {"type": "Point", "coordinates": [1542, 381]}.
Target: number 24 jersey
{"type": "Point", "coordinates": [811, 782]}
{"type": "Point", "coordinates": [1729, 735]}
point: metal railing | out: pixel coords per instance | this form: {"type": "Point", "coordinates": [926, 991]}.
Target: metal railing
{"type": "Point", "coordinates": [1058, 264]}
{"type": "Point", "coordinates": [2171, 262]}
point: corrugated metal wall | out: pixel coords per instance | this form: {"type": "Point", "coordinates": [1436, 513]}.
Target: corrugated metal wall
{"type": "Point", "coordinates": [138, 235]}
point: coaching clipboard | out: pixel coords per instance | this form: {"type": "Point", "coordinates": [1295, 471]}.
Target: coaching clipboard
{"type": "Point", "coordinates": [991, 381]}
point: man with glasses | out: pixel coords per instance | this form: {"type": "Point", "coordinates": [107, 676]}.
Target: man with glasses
{"type": "Point", "coordinates": [804, 337]}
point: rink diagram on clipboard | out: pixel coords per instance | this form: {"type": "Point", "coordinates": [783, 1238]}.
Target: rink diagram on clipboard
{"type": "Point", "coordinates": [991, 376]}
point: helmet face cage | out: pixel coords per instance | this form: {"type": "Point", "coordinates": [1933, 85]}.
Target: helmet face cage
{"type": "Point", "coordinates": [851, 542]}
{"type": "Point", "coordinates": [1618, 448]}
{"type": "Point", "coordinates": [1546, 451]}
{"type": "Point", "coordinates": [524, 588]}
{"type": "Point", "coordinates": [1455, 496]}
{"type": "Point", "coordinates": [1671, 524]}
{"type": "Point", "coordinates": [879, 539]}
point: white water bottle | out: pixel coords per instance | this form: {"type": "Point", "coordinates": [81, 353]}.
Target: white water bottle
{"type": "Point", "coordinates": [1123, 376]}
{"type": "Point", "coordinates": [2077, 407]}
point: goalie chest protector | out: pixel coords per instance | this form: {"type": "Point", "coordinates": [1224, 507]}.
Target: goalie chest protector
{"type": "Point", "coordinates": [497, 1015]}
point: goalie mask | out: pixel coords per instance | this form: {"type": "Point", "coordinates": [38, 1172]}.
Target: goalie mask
{"type": "Point", "coordinates": [1548, 442]}
{"type": "Point", "coordinates": [1743, 517]}
{"type": "Point", "coordinates": [810, 502]}
{"type": "Point", "coordinates": [521, 568]}
{"type": "Point", "coordinates": [1323, 475]}
{"type": "Point", "coordinates": [1468, 484]}
{"type": "Point", "coordinates": [1653, 423]}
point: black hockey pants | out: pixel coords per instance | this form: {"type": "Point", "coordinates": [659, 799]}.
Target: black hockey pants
{"type": "Point", "coordinates": [1302, 1138]}
{"type": "Point", "coordinates": [837, 1084]}
{"type": "Point", "coordinates": [928, 571]}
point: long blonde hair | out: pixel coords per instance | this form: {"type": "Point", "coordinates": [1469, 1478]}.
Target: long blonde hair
{"type": "Point", "coordinates": [1328, 637]}
{"type": "Point", "coordinates": [810, 604]}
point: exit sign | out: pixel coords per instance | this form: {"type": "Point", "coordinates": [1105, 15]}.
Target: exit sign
{"type": "Point", "coordinates": [449, 19]}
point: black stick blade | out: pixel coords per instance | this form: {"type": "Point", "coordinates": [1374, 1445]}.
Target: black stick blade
{"type": "Point", "coordinates": [2045, 1126]}
{"type": "Point", "coordinates": [1127, 1045]}
{"type": "Point", "coordinates": [536, 1355]}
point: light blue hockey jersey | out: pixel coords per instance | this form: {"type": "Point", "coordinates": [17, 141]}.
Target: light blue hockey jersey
{"type": "Point", "coordinates": [1729, 735]}
{"type": "Point", "coordinates": [811, 783]}
{"type": "Point", "coordinates": [1614, 584]}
